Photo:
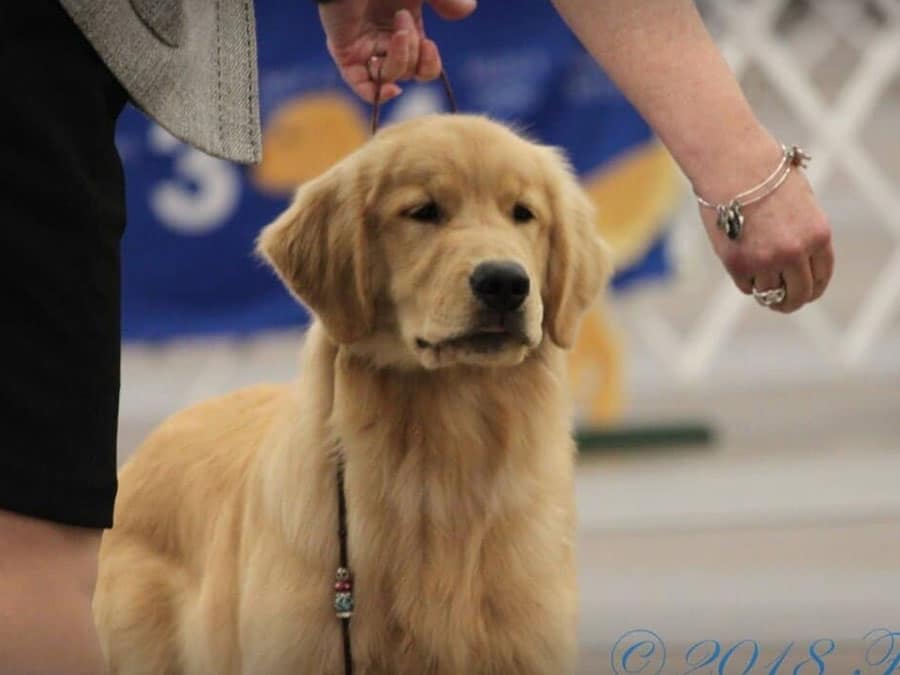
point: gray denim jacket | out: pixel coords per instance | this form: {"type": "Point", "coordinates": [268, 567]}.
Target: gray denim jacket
{"type": "Point", "coordinates": [188, 64]}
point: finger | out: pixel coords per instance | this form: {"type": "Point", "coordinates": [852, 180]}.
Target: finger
{"type": "Point", "coordinates": [403, 48]}
{"type": "Point", "coordinates": [359, 78]}
{"type": "Point", "coordinates": [766, 281]}
{"type": "Point", "coordinates": [453, 9]}
{"type": "Point", "coordinates": [396, 60]}
{"type": "Point", "coordinates": [429, 61]}
{"type": "Point", "coordinates": [403, 21]}
{"type": "Point", "coordinates": [822, 265]}
{"type": "Point", "coordinates": [799, 282]}
{"type": "Point", "coordinates": [744, 284]}
{"type": "Point", "coordinates": [412, 55]}
{"type": "Point", "coordinates": [366, 90]}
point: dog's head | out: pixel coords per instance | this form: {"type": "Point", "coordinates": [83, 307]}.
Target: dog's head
{"type": "Point", "coordinates": [444, 240]}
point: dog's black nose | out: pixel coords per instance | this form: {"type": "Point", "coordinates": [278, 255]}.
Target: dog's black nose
{"type": "Point", "coordinates": [502, 286]}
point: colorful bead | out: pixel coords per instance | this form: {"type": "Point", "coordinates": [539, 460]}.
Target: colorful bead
{"type": "Point", "coordinates": [343, 596]}
{"type": "Point", "coordinates": [343, 605]}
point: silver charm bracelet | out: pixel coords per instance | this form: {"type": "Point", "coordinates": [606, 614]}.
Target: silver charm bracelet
{"type": "Point", "coordinates": [730, 217]}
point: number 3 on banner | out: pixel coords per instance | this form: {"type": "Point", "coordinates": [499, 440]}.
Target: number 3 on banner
{"type": "Point", "coordinates": [201, 195]}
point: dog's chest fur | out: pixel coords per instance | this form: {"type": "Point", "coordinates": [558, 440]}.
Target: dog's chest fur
{"type": "Point", "coordinates": [460, 520]}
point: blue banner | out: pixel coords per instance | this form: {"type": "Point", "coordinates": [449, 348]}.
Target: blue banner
{"type": "Point", "coordinates": [188, 267]}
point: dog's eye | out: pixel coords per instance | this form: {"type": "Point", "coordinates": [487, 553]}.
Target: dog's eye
{"type": "Point", "coordinates": [522, 214]}
{"type": "Point", "coordinates": [427, 213]}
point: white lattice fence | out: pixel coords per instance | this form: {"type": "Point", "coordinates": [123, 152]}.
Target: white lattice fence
{"type": "Point", "coordinates": [823, 73]}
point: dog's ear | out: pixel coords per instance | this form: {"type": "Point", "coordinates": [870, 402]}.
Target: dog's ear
{"type": "Point", "coordinates": [319, 249]}
{"type": "Point", "coordinates": [580, 262]}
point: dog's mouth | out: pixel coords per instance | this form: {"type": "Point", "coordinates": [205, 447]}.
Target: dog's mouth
{"type": "Point", "coordinates": [492, 335]}
{"type": "Point", "coordinates": [482, 342]}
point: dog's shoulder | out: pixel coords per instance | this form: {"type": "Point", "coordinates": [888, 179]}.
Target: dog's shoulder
{"type": "Point", "coordinates": [197, 457]}
{"type": "Point", "coordinates": [216, 421]}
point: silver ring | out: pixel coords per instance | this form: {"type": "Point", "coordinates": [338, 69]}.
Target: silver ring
{"type": "Point", "coordinates": [773, 296]}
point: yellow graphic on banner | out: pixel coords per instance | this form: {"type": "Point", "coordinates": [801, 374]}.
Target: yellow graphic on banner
{"type": "Point", "coordinates": [634, 195]}
{"type": "Point", "coordinates": [304, 137]}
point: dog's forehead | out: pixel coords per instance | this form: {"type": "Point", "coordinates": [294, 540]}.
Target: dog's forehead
{"type": "Point", "coordinates": [449, 126]}
{"type": "Point", "coordinates": [463, 145]}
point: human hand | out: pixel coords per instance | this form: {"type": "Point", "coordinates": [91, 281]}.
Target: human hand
{"type": "Point", "coordinates": [786, 238]}
{"type": "Point", "coordinates": [356, 30]}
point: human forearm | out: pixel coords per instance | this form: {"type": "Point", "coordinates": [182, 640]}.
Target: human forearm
{"type": "Point", "coordinates": [660, 55]}
{"type": "Point", "coordinates": [662, 58]}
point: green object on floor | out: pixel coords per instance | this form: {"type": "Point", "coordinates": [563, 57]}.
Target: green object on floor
{"type": "Point", "coordinates": [647, 436]}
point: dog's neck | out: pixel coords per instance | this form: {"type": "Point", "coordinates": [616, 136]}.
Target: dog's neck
{"type": "Point", "coordinates": [455, 415]}
{"type": "Point", "coordinates": [452, 430]}
{"type": "Point", "coordinates": [434, 444]}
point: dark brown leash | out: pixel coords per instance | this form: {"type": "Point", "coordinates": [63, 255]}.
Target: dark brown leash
{"type": "Point", "coordinates": [376, 78]}
{"type": "Point", "coordinates": [343, 582]}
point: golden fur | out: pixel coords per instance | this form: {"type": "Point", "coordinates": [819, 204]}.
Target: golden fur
{"type": "Point", "coordinates": [459, 460]}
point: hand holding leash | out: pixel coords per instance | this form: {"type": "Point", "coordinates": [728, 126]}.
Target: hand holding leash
{"type": "Point", "coordinates": [393, 29]}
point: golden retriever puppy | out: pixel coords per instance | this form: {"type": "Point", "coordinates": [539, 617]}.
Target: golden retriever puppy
{"type": "Point", "coordinates": [447, 263]}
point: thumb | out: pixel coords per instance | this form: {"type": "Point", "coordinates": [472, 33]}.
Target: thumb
{"type": "Point", "coordinates": [453, 9]}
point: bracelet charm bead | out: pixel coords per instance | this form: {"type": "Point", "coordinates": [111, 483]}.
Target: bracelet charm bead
{"type": "Point", "coordinates": [798, 156]}
{"type": "Point", "coordinates": [730, 215]}
{"type": "Point", "coordinates": [730, 219]}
